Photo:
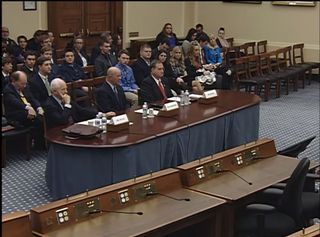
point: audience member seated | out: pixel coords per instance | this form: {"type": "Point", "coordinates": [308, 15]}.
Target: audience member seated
{"type": "Point", "coordinates": [116, 45]}
{"type": "Point", "coordinates": [22, 109]}
{"type": "Point", "coordinates": [179, 71]}
{"type": "Point", "coordinates": [199, 29]}
{"type": "Point", "coordinates": [193, 64]}
{"type": "Point", "coordinates": [34, 43]}
{"type": "Point", "coordinates": [155, 87]}
{"type": "Point", "coordinates": [6, 71]}
{"type": "Point", "coordinates": [29, 67]}
{"type": "Point", "coordinates": [39, 83]}
{"type": "Point", "coordinates": [69, 70]}
{"type": "Point", "coordinates": [162, 46]}
{"type": "Point", "coordinates": [105, 37]}
{"type": "Point", "coordinates": [141, 67]}
{"type": "Point", "coordinates": [80, 56]}
{"type": "Point", "coordinates": [12, 46]}
{"type": "Point", "coordinates": [221, 40]}
{"type": "Point", "coordinates": [45, 41]}
{"type": "Point", "coordinates": [51, 37]}
{"type": "Point", "coordinates": [110, 96]}
{"type": "Point", "coordinates": [127, 81]}
{"type": "Point", "coordinates": [22, 47]}
{"type": "Point", "coordinates": [186, 44]}
{"type": "Point", "coordinates": [60, 110]}
{"type": "Point", "coordinates": [213, 56]}
{"type": "Point", "coordinates": [46, 51]}
{"type": "Point", "coordinates": [105, 59]}
{"type": "Point", "coordinates": [168, 35]}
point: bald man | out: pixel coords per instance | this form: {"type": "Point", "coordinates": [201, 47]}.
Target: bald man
{"type": "Point", "coordinates": [11, 44]}
{"type": "Point", "coordinates": [60, 110]}
{"type": "Point", "coordinates": [110, 95]}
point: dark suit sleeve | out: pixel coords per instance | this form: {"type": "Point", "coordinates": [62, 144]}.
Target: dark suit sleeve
{"type": "Point", "coordinates": [104, 100]}
{"type": "Point", "coordinates": [146, 90]}
{"type": "Point", "coordinates": [55, 115]}
{"type": "Point", "coordinates": [100, 68]}
{"type": "Point", "coordinates": [138, 73]}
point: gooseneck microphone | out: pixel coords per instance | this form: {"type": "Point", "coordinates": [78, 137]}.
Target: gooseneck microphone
{"type": "Point", "coordinates": [165, 195]}
{"type": "Point", "coordinates": [121, 212]}
{"type": "Point", "coordinates": [221, 171]}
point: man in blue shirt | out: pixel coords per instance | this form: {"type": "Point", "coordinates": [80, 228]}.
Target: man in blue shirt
{"type": "Point", "coordinates": [127, 81]}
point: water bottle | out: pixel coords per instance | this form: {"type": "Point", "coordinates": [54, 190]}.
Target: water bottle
{"type": "Point", "coordinates": [187, 98]}
{"type": "Point", "coordinates": [104, 123]}
{"type": "Point", "coordinates": [182, 98]}
{"type": "Point", "coordinates": [97, 121]}
{"type": "Point", "coordinates": [145, 110]}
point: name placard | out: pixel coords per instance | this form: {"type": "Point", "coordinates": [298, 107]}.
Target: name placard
{"type": "Point", "coordinates": [170, 106]}
{"type": "Point", "coordinates": [210, 94]}
{"type": "Point", "coordinates": [120, 119]}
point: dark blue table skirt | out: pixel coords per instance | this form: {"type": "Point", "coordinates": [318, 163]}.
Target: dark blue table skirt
{"type": "Point", "coordinates": [72, 170]}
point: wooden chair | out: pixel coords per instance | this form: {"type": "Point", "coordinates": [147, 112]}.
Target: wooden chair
{"type": "Point", "coordinates": [241, 72]}
{"type": "Point", "coordinates": [78, 85]}
{"type": "Point", "coordinates": [250, 48]}
{"type": "Point", "coordinates": [298, 60]}
{"type": "Point", "coordinates": [231, 54]}
{"type": "Point", "coordinates": [97, 81]}
{"type": "Point", "coordinates": [262, 46]}
{"type": "Point", "coordinates": [89, 70]}
{"type": "Point", "coordinates": [230, 40]}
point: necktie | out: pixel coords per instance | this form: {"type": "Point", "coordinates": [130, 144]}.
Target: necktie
{"type": "Point", "coordinates": [162, 90]}
{"type": "Point", "coordinates": [23, 98]}
{"type": "Point", "coordinates": [116, 94]}
{"type": "Point", "coordinates": [46, 83]}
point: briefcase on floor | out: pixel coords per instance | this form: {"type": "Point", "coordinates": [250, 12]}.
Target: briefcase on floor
{"type": "Point", "coordinates": [81, 131]}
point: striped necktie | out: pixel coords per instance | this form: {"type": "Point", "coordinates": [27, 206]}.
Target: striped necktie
{"type": "Point", "coordinates": [162, 90]}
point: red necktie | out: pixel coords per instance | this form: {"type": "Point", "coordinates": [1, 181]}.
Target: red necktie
{"type": "Point", "coordinates": [162, 90]}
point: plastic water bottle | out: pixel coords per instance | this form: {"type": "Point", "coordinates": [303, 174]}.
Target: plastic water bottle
{"type": "Point", "coordinates": [187, 98]}
{"type": "Point", "coordinates": [97, 121]}
{"type": "Point", "coordinates": [104, 123]}
{"type": "Point", "coordinates": [182, 99]}
{"type": "Point", "coordinates": [145, 110]}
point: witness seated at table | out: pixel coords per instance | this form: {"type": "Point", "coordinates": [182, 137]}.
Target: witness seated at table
{"type": "Point", "coordinates": [110, 96]}
{"type": "Point", "coordinates": [127, 82]}
{"type": "Point", "coordinates": [60, 110]}
{"type": "Point", "coordinates": [155, 87]}
{"type": "Point", "coordinates": [21, 108]}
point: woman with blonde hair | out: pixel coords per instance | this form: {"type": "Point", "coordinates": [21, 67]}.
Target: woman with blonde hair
{"type": "Point", "coordinates": [178, 69]}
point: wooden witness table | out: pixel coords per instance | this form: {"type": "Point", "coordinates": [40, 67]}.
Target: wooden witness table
{"type": "Point", "coordinates": [152, 144]}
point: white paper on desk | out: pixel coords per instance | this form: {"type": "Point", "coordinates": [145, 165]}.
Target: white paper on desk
{"type": "Point", "coordinates": [175, 98]}
{"type": "Point", "coordinates": [139, 111]}
{"type": "Point", "coordinates": [195, 96]}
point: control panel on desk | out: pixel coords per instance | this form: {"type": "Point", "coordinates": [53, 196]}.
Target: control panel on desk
{"type": "Point", "coordinates": [91, 204]}
{"type": "Point", "coordinates": [227, 161]}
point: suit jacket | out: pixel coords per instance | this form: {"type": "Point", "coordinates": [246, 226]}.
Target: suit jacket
{"type": "Point", "coordinates": [4, 81]}
{"type": "Point", "coordinates": [150, 92]}
{"type": "Point", "coordinates": [107, 101]}
{"type": "Point", "coordinates": [77, 58]}
{"type": "Point", "coordinates": [38, 89]}
{"type": "Point", "coordinates": [57, 114]}
{"type": "Point", "coordinates": [102, 64]}
{"type": "Point", "coordinates": [141, 70]}
{"type": "Point", "coordinates": [14, 106]}
{"type": "Point", "coordinates": [29, 73]}
{"type": "Point", "coordinates": [71, 73]}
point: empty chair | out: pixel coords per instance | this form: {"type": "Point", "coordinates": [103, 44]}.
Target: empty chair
{"type": "Point", "coordinates": [250, 48]}
{"type": "Point", "coordinates": [262, 46]}
{"type": "Point", "coordinates": [89, 70]}
{"type": "Point", "coordinates": [298, 60]}
{"type": "Point", "coordinates": [281, 218]}
{"type": "Point", "coordinates": [85, 95]}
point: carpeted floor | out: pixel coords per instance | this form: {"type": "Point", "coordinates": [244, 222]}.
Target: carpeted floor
{"type": "Point", "coordinates": [288, 120]}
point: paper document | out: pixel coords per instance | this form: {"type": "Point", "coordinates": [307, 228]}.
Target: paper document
{"type": "Point", "coordinates": [175, 98]}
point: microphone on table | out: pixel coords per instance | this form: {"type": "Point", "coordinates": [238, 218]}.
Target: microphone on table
{"type": "Point", "coordinates": [111, 211]}
{"type": "Point", "coordinates": [222, 171]}
{"type": "Point", "coordinates": [165, 195]}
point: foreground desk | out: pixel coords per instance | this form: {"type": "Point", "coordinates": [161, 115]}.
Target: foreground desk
{"type": "Point", "coordinates": [162, 214]}
{"type": "Point", "coordinates": [16, 224]}
{"type": "Point", "coordinates": [74, 166]}
{"type": "Point", "coordinates": [257, 163]}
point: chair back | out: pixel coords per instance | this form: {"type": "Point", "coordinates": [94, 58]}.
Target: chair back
{"type": "Point", "coordinates": [253, 66]}
{"type": "Point", "coordinates": [89, 70]}
{"type": "Point", "coordinates": [19, 66]}
{"type": "Point", "coordinates": [264, 63]}
{"type": "Point", "coordinates": [298, 53]}
{"type": "Point", "coordinates": [262, 46]}
{"type": "Point", "coordinates": [291, 200]}
{"type": "Point", "coordinates": [250, 48]}
{"type": "Point", "coordinates": [78, 85]}
{"type": "Point", "coordinates": [60, 53]}
{"type": "Point", "coordinates": [241, 69]}
{"type": "Point", "coordinates": [230, 40]}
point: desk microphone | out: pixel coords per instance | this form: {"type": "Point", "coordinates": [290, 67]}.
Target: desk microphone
{"type": "Point", "coordinates": [121, 212]}
{"type": "Point", "coordinates": [221, 171]}
{"type": "Point", "coordinates": [165, 195]}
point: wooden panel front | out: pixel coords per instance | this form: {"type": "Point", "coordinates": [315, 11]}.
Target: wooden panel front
{"type": "Point", "coordinates": [16, 224]}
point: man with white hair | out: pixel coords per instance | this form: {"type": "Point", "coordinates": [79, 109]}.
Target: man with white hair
{"type": "Point", "coordinates": [60, 110]}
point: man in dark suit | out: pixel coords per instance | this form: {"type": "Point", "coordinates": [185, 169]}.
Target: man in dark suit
{"type": "Point", "coordinates": [21, 109]}
{"type": "Point", "coordinates": [6, 71]}
{"type": "Point", "coordinates": [29, 66]}
{"type": "Point", "coordinates": [105, 59]}
{"type": "Point", "coordinates": [155, 87]}
{"type": "Point", "coordinates": [141, 67]}
{"type": "Point", "coordinates": [39, 83]}
{"type": "Point", "coordinates": [60, 110]}
{"type": "Point", "coordinates": [110, 95]}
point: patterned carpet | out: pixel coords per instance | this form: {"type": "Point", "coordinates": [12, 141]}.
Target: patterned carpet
{"type": "Point", "coordinates": [288, 120]}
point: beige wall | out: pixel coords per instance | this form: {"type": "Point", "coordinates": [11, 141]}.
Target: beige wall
{"type": "Point", "coordinates": [23, 22]}
{"type": "Point", "coordinates": [280, 25]}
